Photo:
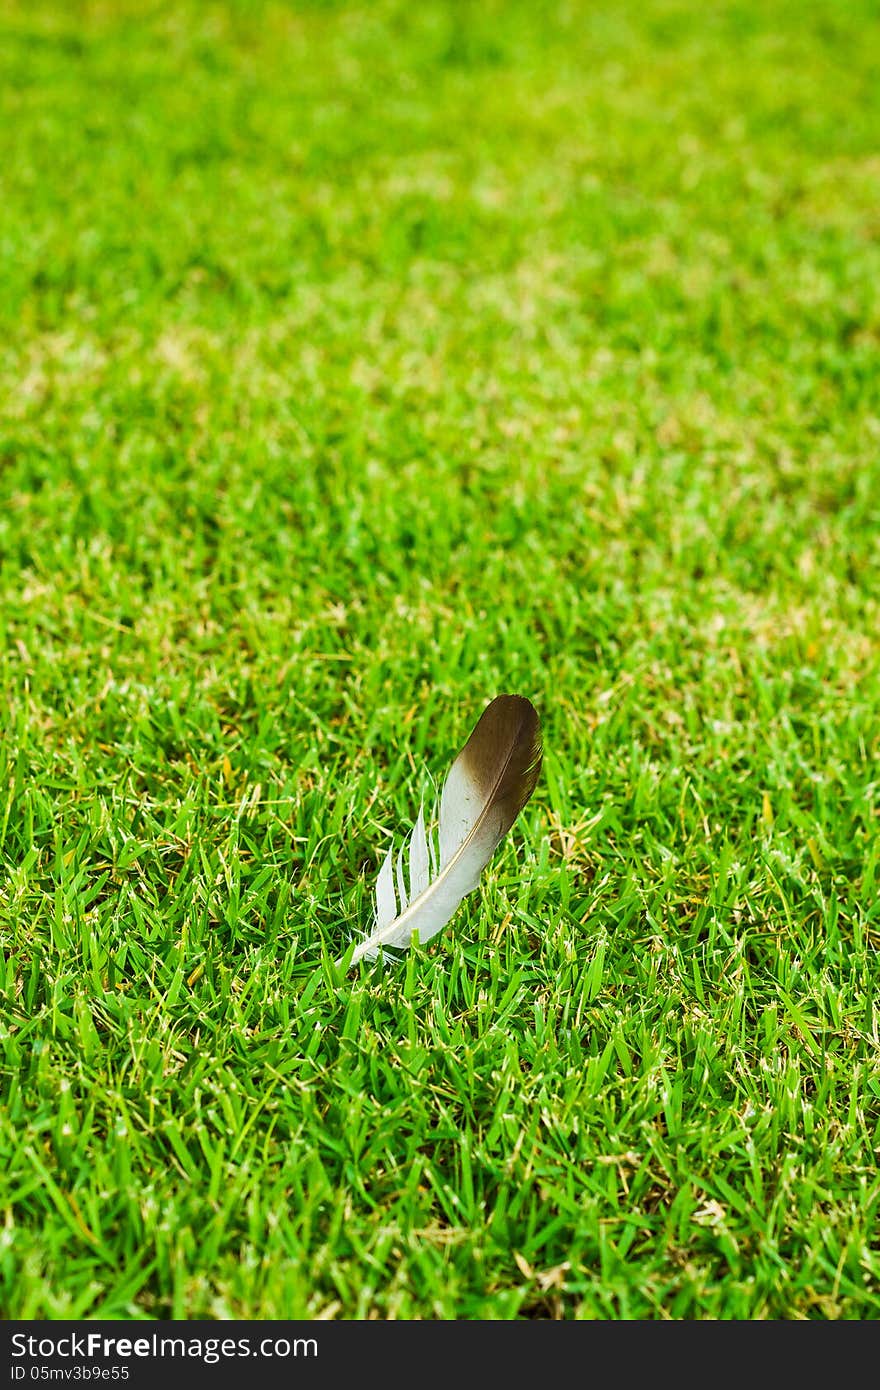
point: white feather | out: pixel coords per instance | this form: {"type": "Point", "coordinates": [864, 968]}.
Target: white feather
{"type": "Point", "coordinates": [504, 753]}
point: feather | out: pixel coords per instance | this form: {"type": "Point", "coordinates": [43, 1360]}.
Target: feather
{"type": "Point", "coordinates": [485, 789]}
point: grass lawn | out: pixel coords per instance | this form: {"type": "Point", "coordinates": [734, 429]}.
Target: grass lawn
{"type": "Point", "coordinates": [357, 363]}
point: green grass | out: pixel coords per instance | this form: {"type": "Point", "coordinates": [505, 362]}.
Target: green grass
{"type": "Point", "coordinates": [357, 363]}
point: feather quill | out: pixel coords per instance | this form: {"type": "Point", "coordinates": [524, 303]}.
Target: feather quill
{"type": "Point", "coordinates": [485, 789]}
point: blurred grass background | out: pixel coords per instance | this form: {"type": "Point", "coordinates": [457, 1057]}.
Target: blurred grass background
{"type": "Point", "coordinates": [358, 362]}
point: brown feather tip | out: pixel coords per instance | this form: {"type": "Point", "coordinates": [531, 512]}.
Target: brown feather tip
{"type": "Point", "coordinates": [503, 755]}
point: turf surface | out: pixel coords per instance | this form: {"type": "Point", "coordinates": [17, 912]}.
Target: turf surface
{"type": "Point", "coordinates": [358, 363]}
